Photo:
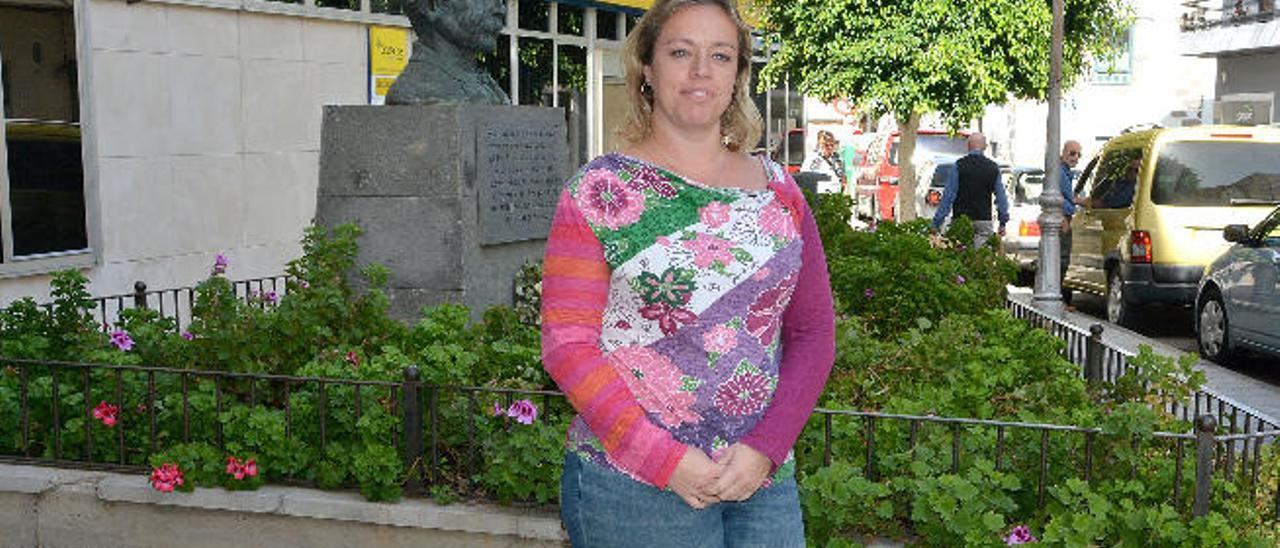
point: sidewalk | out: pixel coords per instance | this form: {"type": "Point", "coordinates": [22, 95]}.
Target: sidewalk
{"type": "Point", "coordinates": [1260, 398]}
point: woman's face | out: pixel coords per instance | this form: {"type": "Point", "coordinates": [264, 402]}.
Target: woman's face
{"type": "Point", "coordinates": [827, 145]}
{"type": "Point", "coordinates": [695, 64]}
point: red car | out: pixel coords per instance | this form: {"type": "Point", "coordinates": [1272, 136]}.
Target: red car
{"type": "Point", "coordinates": [877, 189]}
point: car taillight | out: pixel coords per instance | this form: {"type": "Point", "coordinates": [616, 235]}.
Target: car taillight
{"type": "Point", "coordinates": [1028, 228]}
{"type": "Point", "coordinates": [933, 198]}
{"type": "Point", "coordinates": [1140, 246]}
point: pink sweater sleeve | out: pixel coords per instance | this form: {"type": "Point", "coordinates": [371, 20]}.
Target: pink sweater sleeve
{"type": "Point", "coordinates": [575, 291]}
{"type": "Point", "coordinates": [808, 344]}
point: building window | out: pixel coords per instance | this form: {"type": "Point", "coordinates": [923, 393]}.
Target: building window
{"type": "Point", "coordinates": [42, 189]}
{"type": "Point", "coordinates": [542, 60]}
{"type": "Point", "coordinates": [1118, 70]}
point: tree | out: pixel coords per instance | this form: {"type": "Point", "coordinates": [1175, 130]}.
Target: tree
{"type": "Point", "coordinates": [910, 57]}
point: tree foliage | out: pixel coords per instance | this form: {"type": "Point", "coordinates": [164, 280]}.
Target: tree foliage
{"type": "Point", "coordinates": [911, 57]}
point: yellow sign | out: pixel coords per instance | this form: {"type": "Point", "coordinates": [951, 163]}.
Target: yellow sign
{"type": "Point", "coordinates": [388, 54]}
{"type": "Point", "coordinates": [388, 50]}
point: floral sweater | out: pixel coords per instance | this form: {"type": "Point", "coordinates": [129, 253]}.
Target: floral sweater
{"type": "Point", "coordinates": [677, 315]}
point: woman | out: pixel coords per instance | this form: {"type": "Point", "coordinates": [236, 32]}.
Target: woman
{"type": "Point", "coordinates": [686, 311]}
{"type": "Point", "coordinates": [826, 160]}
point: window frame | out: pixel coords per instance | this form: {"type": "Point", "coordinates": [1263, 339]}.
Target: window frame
{"type": "Point", "coordinates": [43, 263]}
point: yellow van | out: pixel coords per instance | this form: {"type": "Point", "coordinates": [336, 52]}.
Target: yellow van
{"type": "Point", "coordinates": [1156, 204]}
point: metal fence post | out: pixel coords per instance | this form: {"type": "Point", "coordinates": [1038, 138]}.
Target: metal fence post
{"type": "Point", "coordinates": [1093, 351]}
{"type": "Point", "coordinates": [414, 469]}
{"type": "Point", "coordinates": [1206, 427]}
{"type": "Point", "coordinates": [139, 294]}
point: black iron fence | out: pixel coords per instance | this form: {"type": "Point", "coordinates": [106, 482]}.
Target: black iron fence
{"type": "Point", "coordinates": [176, 302]}
{"type": "Point", "coordinates": [1100, 362]}
{"type": "Point", "coordinates": [881, 443]}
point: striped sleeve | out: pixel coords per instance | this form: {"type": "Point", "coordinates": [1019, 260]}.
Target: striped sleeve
{"type": "Point", "coordinates": [575, 291]}
{"type": "Point", "coordinates": [808, 343]}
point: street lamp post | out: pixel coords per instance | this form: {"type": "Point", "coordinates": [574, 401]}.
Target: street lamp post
{"type": "Point", "coordinates": [1048, 292]}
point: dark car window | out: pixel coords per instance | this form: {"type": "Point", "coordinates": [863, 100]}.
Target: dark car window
{"type": "Point", "coordinates": [935, 144]}
{"type": "Point", "coordinates": [1114, 166]}
{"type": "Point", "coordinates": [1027, 186]}
{"type": "Point", "coordinates": [1217, 173]}
{"type": "Point", "coordinates": [940, 174]}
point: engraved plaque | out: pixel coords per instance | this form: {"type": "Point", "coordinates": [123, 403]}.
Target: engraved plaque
{"type": "Point", "coordinates": [520, 170]}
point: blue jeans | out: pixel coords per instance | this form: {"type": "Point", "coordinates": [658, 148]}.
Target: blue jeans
{"type": "Point", "coordinates": [602, 508]}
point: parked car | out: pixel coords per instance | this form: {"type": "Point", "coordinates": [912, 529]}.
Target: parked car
{"type": "Point", "coordinates": [1021, 241]}
{"type": "Point", "coordinates": [877, 186]}
{"type": "Point", "coordinates": [1238, 304]}
{"type": "Point", "coordinates": [933, 175]}
{"type": "Point", "coordinates": [1187, 185]}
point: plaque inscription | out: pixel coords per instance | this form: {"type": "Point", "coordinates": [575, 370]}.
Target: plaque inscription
{"type": "Point", "coordinates": [519, 175]}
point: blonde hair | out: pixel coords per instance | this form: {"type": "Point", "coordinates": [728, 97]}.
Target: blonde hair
{"type": "Point", "coordinates": [740, 123]}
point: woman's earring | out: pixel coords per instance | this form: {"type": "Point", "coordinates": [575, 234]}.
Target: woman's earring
{"type": "Point", "coordinates": [646, 95]}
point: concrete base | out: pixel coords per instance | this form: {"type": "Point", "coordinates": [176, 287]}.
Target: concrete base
{"type": "Point", "coordinates": [70, 508]}
{"type": "Point", "coordinates": [453, 199]}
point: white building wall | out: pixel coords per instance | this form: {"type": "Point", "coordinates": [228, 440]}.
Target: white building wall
{"type": "Point", "coordinates": [206, 126]}
{"type": "Point", "coordinates": [1163, 84]}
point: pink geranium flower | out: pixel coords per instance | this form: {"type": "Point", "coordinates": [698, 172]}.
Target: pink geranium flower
{"type": "Point", "coordinates": [1019, 535]}
{"type": "Point", "coordinates": [188, 335]}
{"type": "Point", "coordinates": [353, 359]}
{"type": "Point", "coordinates": [523, 411]}
{"type": "Point", "coordinates": [715, 214]}
{"type": "Point", "coordinates": [166, 478]}
{"type": "Point", "coordinates": [708, 250]}
{"type": "Point", "coordinates": [606, 201]}
{"type": "Point", "coordinates": [271, 297]}
{"type": "Point", "coordinates": [106, 413]}
{"type": "Point", "coordinates": [241, 469]}
{"type": "Point", "coordinates": [122, 340]}
{"type": "Point", "coordinates": [720, 339]}
{"type": "Point", "coordinates": [220, 264]}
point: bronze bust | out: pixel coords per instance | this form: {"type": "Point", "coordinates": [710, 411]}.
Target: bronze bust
{"type": "Point", "coordinates": [443, 66]}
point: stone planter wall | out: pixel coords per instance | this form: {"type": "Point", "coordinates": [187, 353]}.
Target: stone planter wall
{"type": "Point", "coordinates": [63, 508]}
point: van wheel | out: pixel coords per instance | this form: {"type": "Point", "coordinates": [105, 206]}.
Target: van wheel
{"type": "Point", "coordinates": [1212, 329]}
{"type": "Point", "coordinates": [1118, 312]}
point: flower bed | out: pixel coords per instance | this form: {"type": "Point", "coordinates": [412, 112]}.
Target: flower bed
{"type": "Point", "coordinates": [311, 387]}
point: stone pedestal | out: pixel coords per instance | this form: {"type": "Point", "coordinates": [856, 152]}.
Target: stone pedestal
{"type": "Point", "coordinates": [453, 199]}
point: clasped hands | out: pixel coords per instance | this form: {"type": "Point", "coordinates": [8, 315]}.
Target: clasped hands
{"type": "Point", "coordinates": [735, 475]}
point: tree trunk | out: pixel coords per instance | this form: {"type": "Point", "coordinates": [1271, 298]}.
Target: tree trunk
{"type": "Point", "coordinates": [906, 206]}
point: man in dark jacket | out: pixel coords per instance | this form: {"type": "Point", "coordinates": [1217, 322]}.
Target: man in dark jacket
{"type": "Point", "coordinates": [970, 187]}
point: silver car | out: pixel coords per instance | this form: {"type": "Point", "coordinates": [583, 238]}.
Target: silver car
{"type": "Point", "coordinates": [1238, 302]}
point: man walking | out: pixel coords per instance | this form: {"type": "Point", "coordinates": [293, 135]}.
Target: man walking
{"type": "Point", "coordinates": [1070, 157]}
{"type": "Point", "coordinates": [969, 189]}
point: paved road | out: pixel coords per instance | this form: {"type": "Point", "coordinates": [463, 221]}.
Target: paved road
{"type": "Point", "coordinates": [1176, 327]}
